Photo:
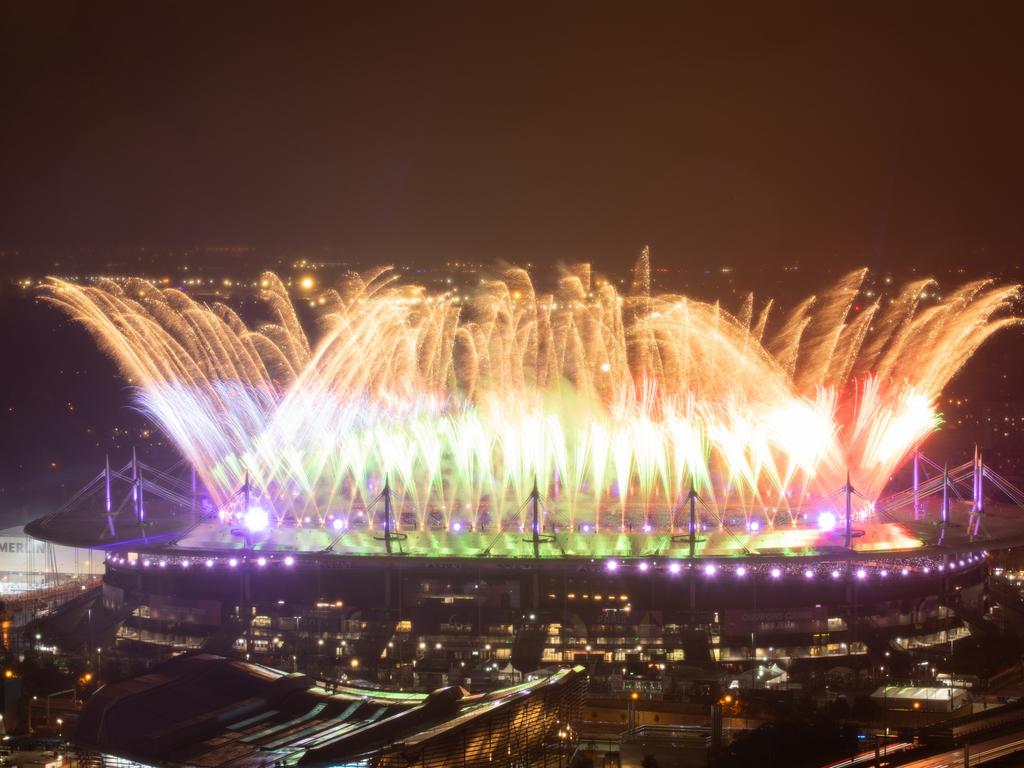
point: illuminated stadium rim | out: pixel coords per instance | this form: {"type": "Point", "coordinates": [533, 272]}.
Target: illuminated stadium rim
{"type": "Point", "coordinates": [806, 569]}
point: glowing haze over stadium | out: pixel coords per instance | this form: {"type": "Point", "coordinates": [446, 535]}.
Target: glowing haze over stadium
{"type": "Point", "coordinates": [617, 404]}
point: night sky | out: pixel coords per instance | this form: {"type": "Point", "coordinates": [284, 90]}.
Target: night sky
{"type": "Point", "coordinates": [856, 133]}
{"type": "Point", "coordinates": [758, 135]}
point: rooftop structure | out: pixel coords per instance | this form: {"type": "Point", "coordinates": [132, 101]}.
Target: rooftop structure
{"type": "Point", "coordinates": [205, 710]}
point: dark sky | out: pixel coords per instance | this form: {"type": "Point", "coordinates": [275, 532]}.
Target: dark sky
{"type": "Point", "coordinates": [859, 133]}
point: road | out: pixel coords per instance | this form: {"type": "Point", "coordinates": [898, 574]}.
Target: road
{"type": "Point", "coordinates": [867, 757]}
{"type": "Point", "coordinates": [982, 752]}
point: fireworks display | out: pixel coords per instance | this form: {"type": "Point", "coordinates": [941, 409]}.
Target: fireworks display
{"type": "Point", "coordinates": [615, 404]}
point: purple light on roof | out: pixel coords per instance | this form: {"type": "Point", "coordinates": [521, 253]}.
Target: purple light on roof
{"type": "Point", "coordinates": [776, 573]}
{"type": "Point", "coordinates": [709, 569]}
{"type": "Point", "coordinates": [586, 528]}
{"type": "Point", "coordinates": [835, 574]}
{"type": "Point", "coordinates": [185, 563]}
{"type": "Point", "coordinates": [674, 568]}
{"type": "Point", "coordinates": [647, 528]}
{"type": "Point", "coordinates": [145, 563]}
{"type": "Point", "coordinates": [209, 563]}
{"type": "Point", "coordinates": [644, 567]}
{"type": "Point", "coordinates": [289, 561]}
{"type": "Point", "coordinates": [261, 562]}
{"type": "Point", "coordinates": [883, 574]}
{"type": "Point", "coordinates": [808, 574]}
{"type": "Point", "coordinates": [256, 519]}
{"type": "Point", "coordinates": [741, 571]}
{"type": "Point", "coordinates": [456, 526]}
{"type": "Point", "coordinates": [927, 569]}
{"type": "Point", "coordinates": [337, 524]}
{"type": "Point", "coordinates": [232, 562]}
{"type": "Point", "coordinates": [611, 565]}
{"type": "Point", "coordinates": [862, 574]}
{"type": "Point", "coordinates": [163, 563]}
{"type": "Point", "coordinates": [905, 572]}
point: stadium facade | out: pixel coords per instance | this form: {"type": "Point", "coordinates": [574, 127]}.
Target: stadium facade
{"type": "Point", "coordinates": [640, 609]}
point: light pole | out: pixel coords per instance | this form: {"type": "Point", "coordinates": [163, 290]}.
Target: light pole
{"type": "Point", "coordinates": [58, 693]}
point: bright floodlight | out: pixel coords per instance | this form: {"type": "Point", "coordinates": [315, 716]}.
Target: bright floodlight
{"type": "Point", "coordinates": [776, 573]}
{"type": "Point", "coordinates": [337, 524]}
{"type": "Point", "coordinates": [674, 568]}
{"type": "Point", "coordinates": [861, 573]}
{"type": "Point", "coordinates": [261, 562]}
{"type": "Point", "coordinates": [808, 574]}
{"type": "Point", "coordinates": [611, 565]}
{"type": "Point", "coordinates": [256, 519]}
{"type": "Point", "coordinates": [709, 569]}
{"type": "Point", "coordinates": [754, 526]}
{"type": "Point", "coordinates": [644, 567]}
{"type": "Point", "coordinates": [826, 521]}
{"type": "Point", "coordinates": [456, 526]}
{"type": "Point", "coordinates": [289, 561]}
{"type": "Point", "coordinates": [741, 571]}
{"type": "Point", "coordinates": [209, 563]}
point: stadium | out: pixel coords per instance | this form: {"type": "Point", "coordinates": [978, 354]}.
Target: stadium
{"type": "Point", "coordinates": [467, 489]}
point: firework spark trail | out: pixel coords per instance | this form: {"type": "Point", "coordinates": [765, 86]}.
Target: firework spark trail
{"type": "Point", "coordinates": [616, 404]}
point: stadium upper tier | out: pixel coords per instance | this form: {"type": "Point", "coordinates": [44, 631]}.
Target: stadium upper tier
{"type": "Point", "coordinates": [179, 530]}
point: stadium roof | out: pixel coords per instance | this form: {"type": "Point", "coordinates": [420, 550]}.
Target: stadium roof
{"type": "Point", "coordinates": [213, 712]}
